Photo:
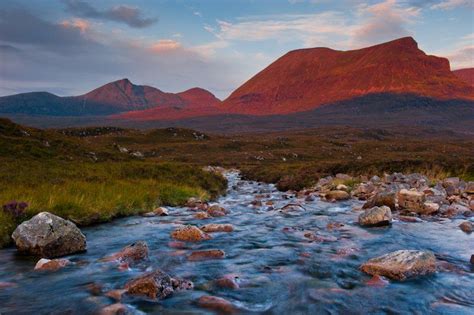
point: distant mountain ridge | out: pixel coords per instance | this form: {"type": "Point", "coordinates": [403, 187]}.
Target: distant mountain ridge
{"type": "Point", "coordinates": [111, 98]}
{"type": "Point", "coordinates": [305, 79]}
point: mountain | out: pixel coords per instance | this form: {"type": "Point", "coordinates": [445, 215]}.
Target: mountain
{"type": "Point", "coordinates": [44, 103]}
{"type": "Point", "coordinates": [112, 98]}
{"type": "Point", "coordinates": [306, 79]}
{"type": "Point", "coordinates": [466, 75]}
{"type": "Point", "coordinates": [124, 96]}
{"type": "Point", "coordinates": [195, 102]}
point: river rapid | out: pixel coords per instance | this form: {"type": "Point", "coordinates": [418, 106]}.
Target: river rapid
{"type": "Point", "coordinates": [278, 268]}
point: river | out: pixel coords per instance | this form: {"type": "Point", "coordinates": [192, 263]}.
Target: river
{"type": "Point", "coordinates": [279, 270]}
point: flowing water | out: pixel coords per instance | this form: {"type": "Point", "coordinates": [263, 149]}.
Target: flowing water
{"type": "Point", "coordinates": [280, 271]}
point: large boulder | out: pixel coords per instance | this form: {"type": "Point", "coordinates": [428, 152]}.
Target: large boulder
{"type": "Point", "coordinates": [156, 285]}
{"type": "Point", "coordinates": [49, 236]}
{"type": "Point", "coordinates": [412, 200]}
{"type": "Point", "coordinates": [401, 264]}
{"type": "Point", "coordinates": [376, 216]}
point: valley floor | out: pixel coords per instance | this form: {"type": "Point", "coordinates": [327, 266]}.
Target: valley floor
{"type": "Point", "coordinates": [91, 175]}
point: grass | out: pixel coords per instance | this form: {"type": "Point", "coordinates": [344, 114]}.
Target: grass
{"type": "Point", "coordinates": [89, 193]}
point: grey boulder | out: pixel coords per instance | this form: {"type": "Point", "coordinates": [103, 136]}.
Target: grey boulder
{"type": "Point", "coordinates": [48, 236]}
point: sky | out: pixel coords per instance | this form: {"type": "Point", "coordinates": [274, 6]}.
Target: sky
{"type": "Point", "coordinates": [69, 47]}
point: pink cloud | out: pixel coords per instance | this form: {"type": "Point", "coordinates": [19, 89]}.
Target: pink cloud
{"type": "Point", "coordinates": [80, 24]}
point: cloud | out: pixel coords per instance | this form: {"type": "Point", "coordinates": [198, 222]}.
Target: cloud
{"type": "Point", "coordinates": [368, 24]}
{"type": "Point", "coordinates": [80, 24]}
{"type": "Point", "coordinates": [164, 45]}
{"type": "Point", "coordinates": [19, 27]}
{"type": "Point", "coordinates": [308, 28]}
{"type": "Point", "coordinates": [383, 21]}
{"type": "Point", "coordinates": [462, 54]}
{"type": "Point", "coordinates": [131, 16]}
{"type": "Point", "coordinates": [451, 4]}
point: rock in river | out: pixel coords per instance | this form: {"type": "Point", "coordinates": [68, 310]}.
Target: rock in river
{"type": "Point", "coordinates": [51, 265]}
{"type": "Point", "coordinates": [466, 227]}
{"type": "Point", "coordinates": [206, 254]}
{"type": "Point", "coordinates": [131, 254]}
{"type": "Point", "coordinates": [212, 227]}
{"type": "Point", "coordinates": [216, 304]}
{"type": "Point", "coordinates": [401, 264]}
{"type": "Point", "coordinates": [216, 211]}
{"type": "Point", "coordinates": [411, 200]}
{"type": "Point", "coordinates": [381, 199]}
{"type": "Point", "coordinates": [47, 235]}
{"type": "Point", "coordinates": [156, 285]}
{"type": "Point", "coordinates": [337, 195]}
{"type": "Point", "coordinates": [376, 216]}
{"type": "Point", "coordinates": [189, 233]}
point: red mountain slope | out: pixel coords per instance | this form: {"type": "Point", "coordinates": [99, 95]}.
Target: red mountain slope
{"type": "Point", "coordinates": [194, 102]}
{"type": "Point", "coordinates": [124, 95]}
{"type": "Point", "coordinates": [308, 78]}
{"type": "Point", "coordinates": [466, 75]}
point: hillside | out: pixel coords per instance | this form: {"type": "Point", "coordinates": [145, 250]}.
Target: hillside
{"type": "Point", "coordinates": [466, 75]}
{"type": "Point", "coordinates": [195, 102]}
{"type": "Point", "coordinates": [305, 79]}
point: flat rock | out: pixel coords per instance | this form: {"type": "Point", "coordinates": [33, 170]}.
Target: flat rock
{"type": "Point", "coordinates": [211, 228]}
{"type": "Point", "coordinates": [206, 254]}
{"type": "Point", "coordinates": [49, 236]}
{"type": "Point", "coordinates": [401, 264]}
{"type": "Point", "coordinates": [216, 304]}
{"type": "Point", "coordinates": [189, 233]}
{"type": "Point", "coordinates": [376, 216]}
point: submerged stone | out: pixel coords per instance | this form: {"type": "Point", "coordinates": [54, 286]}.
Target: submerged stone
{"type": "Point", "coordinates": [207, 254]}
{"type": "Point", "coordinates": [51, 265]}
{"type": "Point", "coordinates": [216, 304]}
